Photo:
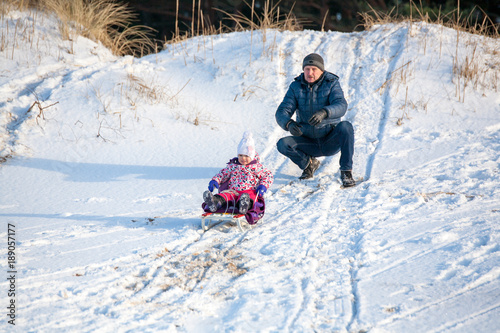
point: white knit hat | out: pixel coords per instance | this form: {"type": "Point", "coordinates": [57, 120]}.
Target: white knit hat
{"type": "Point", "coordinates": [247, 145]}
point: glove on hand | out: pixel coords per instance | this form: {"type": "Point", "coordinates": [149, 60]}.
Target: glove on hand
{"type": "Point", "coordinates": [317, 117]}
{"type": "Point", "coordinates": [213, 184]}
{"type": "Point", "coordinates": [261, 189]}
{"type": "Point", "coordinates": [294, 128]}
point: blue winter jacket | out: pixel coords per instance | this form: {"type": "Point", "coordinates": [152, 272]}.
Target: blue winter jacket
{"type": "Point", "coordinates": [305, 99]}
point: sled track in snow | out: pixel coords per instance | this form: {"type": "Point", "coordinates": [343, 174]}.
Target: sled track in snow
{"type": "Point", "coordinates": [367, 99]}
{"type": "Point", "coordinates": [387, 107]}
{"type": "Point", "coordinates": [365, 51]}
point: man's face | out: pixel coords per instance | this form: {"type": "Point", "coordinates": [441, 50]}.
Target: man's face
{"type": "Point", "coordinates": [312, 73]}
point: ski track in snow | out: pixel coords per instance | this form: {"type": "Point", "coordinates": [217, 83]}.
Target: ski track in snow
{"type": "Point", "coordinates": [323, 259]}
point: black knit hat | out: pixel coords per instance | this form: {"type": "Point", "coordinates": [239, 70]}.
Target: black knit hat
{"type": "Point", "coordinates": [314, 59]}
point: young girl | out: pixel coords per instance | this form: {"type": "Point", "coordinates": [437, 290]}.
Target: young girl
{"type": "Point", "coordinates": [246, 178]}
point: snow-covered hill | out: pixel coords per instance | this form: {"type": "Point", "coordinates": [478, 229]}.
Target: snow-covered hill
{"type": "Point", "coordinates": [110, 156]}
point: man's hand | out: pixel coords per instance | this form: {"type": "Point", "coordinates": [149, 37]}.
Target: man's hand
{"type": "Point", "coordinates": [294, 128]}
{"type": "Point", "coordinates": [317, 117]}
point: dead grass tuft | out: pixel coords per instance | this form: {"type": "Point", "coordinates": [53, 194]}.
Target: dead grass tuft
{"type": "Point", "coordinates": [271, 18]}
{"type": "Point", "coordinates": [454, 19]}
{"type": "Point", "coordinates": [107, 21]}
{"type": "Point", "coordinates": [474, 64]}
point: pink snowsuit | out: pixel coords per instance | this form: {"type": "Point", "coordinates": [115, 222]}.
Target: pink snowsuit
{"type": "Point", "coordinates": [243, 179]}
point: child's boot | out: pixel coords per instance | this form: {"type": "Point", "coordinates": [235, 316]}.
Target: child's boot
{"type": "Point", "coordinates": [244, 203]}
{"type": "Point", "coordinates": [214, 202]}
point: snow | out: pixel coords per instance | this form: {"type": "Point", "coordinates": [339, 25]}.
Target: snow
{"type": "Point", "coordinates": [105, 183]}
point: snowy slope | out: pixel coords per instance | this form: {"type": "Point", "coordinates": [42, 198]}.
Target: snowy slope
{"type": "Point", "coordinates": [104, 187]}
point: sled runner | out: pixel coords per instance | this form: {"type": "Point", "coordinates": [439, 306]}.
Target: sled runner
{"type": "Point", "coordinates": [232, 216]}
{"type": "Point", "coordinates": [209, 220]}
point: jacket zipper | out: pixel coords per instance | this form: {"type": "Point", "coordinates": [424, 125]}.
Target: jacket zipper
{"type": "Point", "coordinates": [310, 107]}
{"type": "Point", "coordinates": [310, 98]}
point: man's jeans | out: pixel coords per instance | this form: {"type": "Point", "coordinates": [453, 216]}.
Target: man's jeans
{"type": "Point", "coordinates": [299, 149]}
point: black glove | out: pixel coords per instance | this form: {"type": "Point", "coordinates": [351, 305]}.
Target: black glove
{"type": "Point", "coordinates": [294, 128]}
{"type": "Point", "coordinates": [317, 117]}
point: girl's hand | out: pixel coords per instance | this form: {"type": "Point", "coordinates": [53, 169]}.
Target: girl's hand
{"type": "Point", "coordinates": [261, 189]}
{"type": "Point", "coordinates": [213, 184]}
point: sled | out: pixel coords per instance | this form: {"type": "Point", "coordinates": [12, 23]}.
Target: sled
{"type": "Point", "coordinates": [231, 215]}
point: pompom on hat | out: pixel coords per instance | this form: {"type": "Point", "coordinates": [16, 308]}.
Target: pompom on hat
{"type": "Point", "coordinates": [314, 59]}
{"type": "Point", "coordinates": [247, 145]}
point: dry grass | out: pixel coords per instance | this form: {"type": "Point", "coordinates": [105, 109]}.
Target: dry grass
{"type": "Point", "coordinates": [375, 17]}
{"type": "Point", "coordinates": [107, 21]}
{"type": "Point", "coordinates": [270, 18]}
{"type": "Point", "coordinates": [474, 64]}
{"type": "Point", "coordinates": [198, 25]}
{"type": "Point", "coordinates": [17, 31]}
{"type": "Point", "coordinates": [454, 19]}
{"type": "Point", "coordinates": [139, 90]}
{"type": "Point", "coordinates": [8, 5]}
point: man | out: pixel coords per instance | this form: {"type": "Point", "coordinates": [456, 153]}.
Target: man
{"type": "Point", "coordinates": [318, 101]}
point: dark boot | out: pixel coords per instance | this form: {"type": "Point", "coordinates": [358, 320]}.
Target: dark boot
{"type": "Point", "coordinates": [214, 202]}
{"type": "Point", "coordinates": [310, 169]}
{"type": "Point", "coordinates": [244, 203]}
{"type": "Point", "coordinates": [347, 180]}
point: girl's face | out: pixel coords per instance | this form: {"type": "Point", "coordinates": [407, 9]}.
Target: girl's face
{"type": "Point", "coordinates": [244, 159]}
